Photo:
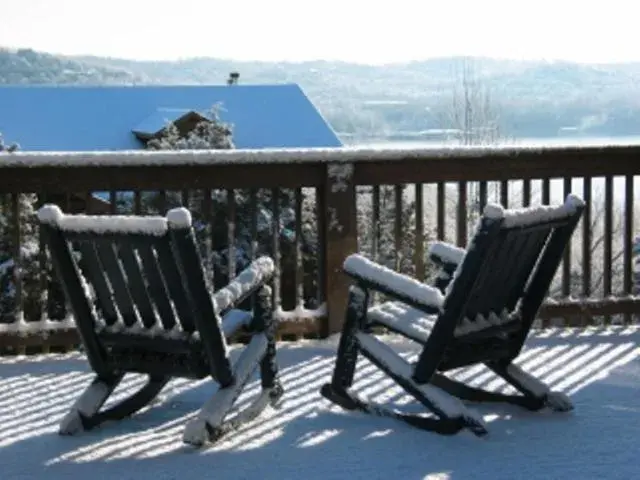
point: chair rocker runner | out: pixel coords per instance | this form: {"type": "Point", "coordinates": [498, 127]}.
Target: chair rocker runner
{"type": "Point", "coordinates": [487, 299]}
{"type": "Point", "coordinates": [142, 304]}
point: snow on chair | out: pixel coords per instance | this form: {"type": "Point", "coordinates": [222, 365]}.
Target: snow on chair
{"type": "Point", "coordinates": [142, 304]}
{"type": "Point", "coordinates": [481, 315]}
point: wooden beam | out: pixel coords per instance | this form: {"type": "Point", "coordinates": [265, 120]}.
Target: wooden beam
{"type": "Point", "coordinates": [340, 239]}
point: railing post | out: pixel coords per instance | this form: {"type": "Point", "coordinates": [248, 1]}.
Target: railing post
{"type": "Point", "coordinates": [339, 239]}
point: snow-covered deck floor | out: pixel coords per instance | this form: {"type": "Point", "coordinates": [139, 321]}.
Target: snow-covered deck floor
{"type": "Point", "coordinates": [600, 369]}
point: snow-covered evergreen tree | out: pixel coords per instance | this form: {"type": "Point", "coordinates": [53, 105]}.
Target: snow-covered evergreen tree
{"type": "Point", "coordinates": [213, 133]}
{"type": "Point", "coordinates": [383, 231]}
{"type": "Point", "coordinates": [26, 266]}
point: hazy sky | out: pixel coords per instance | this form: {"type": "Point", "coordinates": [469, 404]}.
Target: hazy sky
{"type": "Point", "coordinates": [351, 30]}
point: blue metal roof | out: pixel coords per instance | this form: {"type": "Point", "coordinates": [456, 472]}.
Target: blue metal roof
{"type": "Point", "coordinates": [73, 118]}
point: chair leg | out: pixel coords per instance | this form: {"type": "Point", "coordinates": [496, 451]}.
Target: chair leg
{"type": "Point", "coordinates": [347, 355]}
{"type": "Point", "coordinates": [337, 391]}
{"type": "Point", "coordinates": [209, 423]}
{"type": "Point", "coordinates": [475, 394]}
{"type": "Point", "coordinates": [535, 395]}
{"type": "Point", "coordinates": [532, 388]}
{"type": "Point", "coordinates": [269, 364]}
{"type": "Point", "coordinates": [86, 414]}
{"type": "Point", "coordinates": [452, 415]}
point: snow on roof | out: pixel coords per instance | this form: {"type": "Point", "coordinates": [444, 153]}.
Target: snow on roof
{"type": "Point", "coordinates": [85, 118]}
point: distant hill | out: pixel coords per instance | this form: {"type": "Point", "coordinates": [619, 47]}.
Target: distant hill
{"type": "Point", "coordinates": [535, 99]}
{"type": "Point", "coordinates": [25, 66]}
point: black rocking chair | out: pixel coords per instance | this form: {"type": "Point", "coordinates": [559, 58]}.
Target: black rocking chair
{"type": "Point", "coordinates": [484, 303]}
{"type": "Point", "coordinates": [142, 304]}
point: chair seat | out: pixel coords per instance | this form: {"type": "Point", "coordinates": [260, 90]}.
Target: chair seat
{"type": "Point", "coordinates": [417, 325]}
{"type": "Point", "coordinates": [231, 322]}
{"type": "Point", "coordinates": [403, 319]}
{"type": "Point", "coordinates": [234, 320]}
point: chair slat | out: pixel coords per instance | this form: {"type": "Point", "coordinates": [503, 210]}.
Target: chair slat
{"type": "Point", "coordinates": [158, 290]}
{"type": "Point", "coordinates": [137, 286]}
{"type": "Point", "coordinates": [528, 257]}
{"type": "Point", "coordinates": [174, 284]}
{"type": "Point", "coordinates": [95, 274]}
{"type": "Point", "coordinates": [115, 274]}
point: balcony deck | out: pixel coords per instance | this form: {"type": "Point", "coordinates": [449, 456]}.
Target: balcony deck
{"type": "Point", "coordinates": [307, 438]}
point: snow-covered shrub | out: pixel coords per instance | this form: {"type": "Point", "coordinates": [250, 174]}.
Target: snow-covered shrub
{"type": "Point", "coordinates": [209, 134]}
{"type": "Point", "coordinates": [7, 148]}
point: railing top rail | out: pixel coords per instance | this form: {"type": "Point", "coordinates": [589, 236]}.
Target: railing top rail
{"type": "Point", "coordinates": [307, 155]}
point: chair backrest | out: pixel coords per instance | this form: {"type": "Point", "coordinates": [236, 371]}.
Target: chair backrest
{"type": "Point", "coordinates": [503, 279]}
{"type": "Point", "coordinates": [135, 274]}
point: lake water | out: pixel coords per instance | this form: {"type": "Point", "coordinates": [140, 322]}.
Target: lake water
{"type": "Point", "coordinates": [621, 140]}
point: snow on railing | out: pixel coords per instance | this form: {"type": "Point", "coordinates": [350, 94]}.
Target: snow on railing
{"type": "Point", "coordinates": [283, 156]}
{"type": "Point", "coordinates": [301, 313]}
{"type": "Point", "coordinates": [22, 327]}
{"type": "Point", "coordinates": [45, 326]}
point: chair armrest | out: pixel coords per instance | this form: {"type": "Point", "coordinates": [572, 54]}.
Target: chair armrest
{"type": "Point", "coordinates": [256, 275]}
{"type": "Point", "coordinates": [446, 255]}
{"type": "Point", "coordinates": [371, 275]}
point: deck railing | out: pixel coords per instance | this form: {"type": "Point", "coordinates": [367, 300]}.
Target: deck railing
{"type": "Point", "coordinates": [311, 208]}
